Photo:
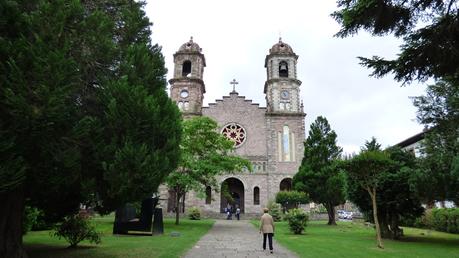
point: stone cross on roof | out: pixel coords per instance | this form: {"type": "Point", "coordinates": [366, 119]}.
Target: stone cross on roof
{"type": "Point", "coordinates": [234, 82]}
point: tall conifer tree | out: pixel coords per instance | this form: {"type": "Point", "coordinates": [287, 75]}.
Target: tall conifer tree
{"type": "Point", "coordinates": [318, 174]}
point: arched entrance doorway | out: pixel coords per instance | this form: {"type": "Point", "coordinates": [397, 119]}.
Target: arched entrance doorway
{"type": "Point", "coordinates": [232, 193]}
{"type": "Point", "coordinates": [286, 184]}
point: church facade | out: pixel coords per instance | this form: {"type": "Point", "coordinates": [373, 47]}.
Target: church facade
{"type": "Point", "coordinates": [270, 137]}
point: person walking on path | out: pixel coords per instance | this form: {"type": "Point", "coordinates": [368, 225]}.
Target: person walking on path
{"type": "Point", "coordinates": [267, 228]}
{"type": "Point", "coordinates": [238, 213]}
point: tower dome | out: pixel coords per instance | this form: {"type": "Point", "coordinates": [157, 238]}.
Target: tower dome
{"type": "Point", "coordinates": [281, 48]}
{"type": "Point", "coordinates": [190, 46]}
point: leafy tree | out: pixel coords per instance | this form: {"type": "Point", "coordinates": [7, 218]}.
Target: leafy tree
{"type": "Point", "coordinates": [84, 112]}
{"type": "Point", "coordinates": [318, 175]}
{"type": "Point", "coordinates": [366, 170]}
{"type": "Point", "coordinates": [439, 111]}
{"type": "Point", "coordinates": [395, 197]}
{"type": "Point", "coordinates": [430, 31]}
{"type": "Point", "coordinates": [204, 154]}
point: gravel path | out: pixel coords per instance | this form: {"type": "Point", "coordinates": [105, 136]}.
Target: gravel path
{"type": "Point", "coordinates": [232, 238]}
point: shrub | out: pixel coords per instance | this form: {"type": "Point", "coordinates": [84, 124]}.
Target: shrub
{"type": "Point", "coordinates": [425, 221]}
{"type": "Point", "coordinates": [30, 218]}
{"type": "Point", "coordinates": [297, 220]}
{"type": "Point", "coordinates": [75, 229]}
{"type": "Point", "coordinates": [275, 210]}
{"type": "Point", "coordinates": [34, 219]}
{"type": "Point", "coordinates": [194, 213]}
{"type": "Point", "coordinates": [291, 198]}
{"type": "Point", "coordinates": [445, 220]}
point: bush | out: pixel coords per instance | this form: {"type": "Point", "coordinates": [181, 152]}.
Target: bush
{"type": "Point", "coordinates": [30, 218]}
{"type": "Point", "coordinates": [297, 220]}
{"type": "Point", "coordinates": [291, 198]}
{"type": "Point", "coordinates": [446, 220]}
{"type": "Point", "coordinates": [34, 219]}
{"type": "Point", "coordinates": [425, 221]}
{"type": "Point", "coordinates": [275, 210]}
{"type": "Point", "coordinates": [75, 229]}
{"type": "Point", "coordinates": [194, 213]}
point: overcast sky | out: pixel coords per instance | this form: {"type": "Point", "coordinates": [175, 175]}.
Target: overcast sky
{"type": "Point", "coordinates": [235, 36]}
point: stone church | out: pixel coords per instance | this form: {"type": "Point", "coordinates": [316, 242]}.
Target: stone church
{"type": "Point", "coordinates": [270, 137]}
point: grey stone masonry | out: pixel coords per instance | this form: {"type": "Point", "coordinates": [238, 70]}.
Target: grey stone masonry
{"type": "Point", "coordinates": [232, 238]}
{"type": "Point", "coordinates": [270, 137]}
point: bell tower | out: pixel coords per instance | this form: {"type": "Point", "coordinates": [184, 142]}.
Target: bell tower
{"type": "Point", "coordinates": [187, 85]}
{"type": "Point", "coordinates": [282, 88]}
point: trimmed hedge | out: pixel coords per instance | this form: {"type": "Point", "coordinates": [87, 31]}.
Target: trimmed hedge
{"type": "Point", "coordinates": [292, 197]}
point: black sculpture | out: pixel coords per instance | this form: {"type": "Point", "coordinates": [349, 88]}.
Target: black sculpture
{"type": "Point", "coordinates": [126, 220]}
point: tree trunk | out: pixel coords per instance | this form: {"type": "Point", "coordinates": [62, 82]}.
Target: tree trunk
{"type": "Point", "coordinates": [397, 232]}
{"type": "Point", "coordinates": [372, 193]}
{"type": "Point", "coordinates": [11, 223]}
{"type": "Point", "coordinates": [177, 206]}
{"type": "Point", "coordinates": [331, 214]}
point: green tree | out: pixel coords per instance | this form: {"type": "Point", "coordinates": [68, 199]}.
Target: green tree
{"type": "Point", "coordinates": [366, 170]}
{"type": "Point", "coordinates": [429, 29]}
{"type": "Point", "coordinates": [318, 175]}
{"type": "Point", "coordinates": [439, 111]}
{"type": "Point", "coordinates": [205, 153]}
{"type": "Point", "coordinates": [84, 112]}
{"type": "Point", "coordinates": [395, 197]}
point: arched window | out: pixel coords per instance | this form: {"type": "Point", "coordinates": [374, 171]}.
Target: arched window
{"type": "Point", "coordinates": [186, 68]}
{"type": "Point", "coordinates": [208, 195]}
{"type": "Point", "coordinates": [256, 196]}
{"type": "Point", "coordinates": [283, 69]}
{"type": "Point", "coordinates": [286, 143]}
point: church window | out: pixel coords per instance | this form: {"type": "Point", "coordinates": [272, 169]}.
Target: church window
{"type": "Point", "coordinates": [186, 68]}
{"type": "Point", "coordinates": [283, 69]}
{"type": "Point", "coordinates": [256, 195]}
{"type": "Point", "coordinates": [286, 143]}
{"type": "Point", "coordinates": [180, 105]}
{"type": "Point", "coordinates": [186, 105]}
{"type": "Point", "coordinates": [235, 133]}
{"type": "Point", "coordinates": [208, 195]}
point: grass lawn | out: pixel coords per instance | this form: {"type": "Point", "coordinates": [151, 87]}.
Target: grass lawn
{"type": "Point", "coordinates": [350, 239]}
{"type": "Point", "coordinates": [40, 244]}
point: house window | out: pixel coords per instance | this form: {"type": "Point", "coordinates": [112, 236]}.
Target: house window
{"type": "Point", "coordinates": [256, 196]}
{"type": "Point", "coordinates": [208, 195]}
{"type": "Point", "coordinates": [186, 68]}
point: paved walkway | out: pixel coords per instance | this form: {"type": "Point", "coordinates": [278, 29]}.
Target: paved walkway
{"type": "Point", "coordinates": [232, 238]}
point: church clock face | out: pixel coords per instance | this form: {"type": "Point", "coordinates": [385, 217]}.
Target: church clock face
{"type": "Point", "coordinates": [285, 94]}
{"type": "Point", "coordinates": [235, 133]}
{"type": "Point", "coordinates": [184, 94]}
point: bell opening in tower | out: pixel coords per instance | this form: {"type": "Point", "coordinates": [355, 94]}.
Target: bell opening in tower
{"type": "Point", "coordinates": [186, 68]}
{"type": "Point", "coordinates": [283, 69]}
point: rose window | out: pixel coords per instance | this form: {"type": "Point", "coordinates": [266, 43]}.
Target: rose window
{"type": "Point", "coordinates": [234, 133]}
